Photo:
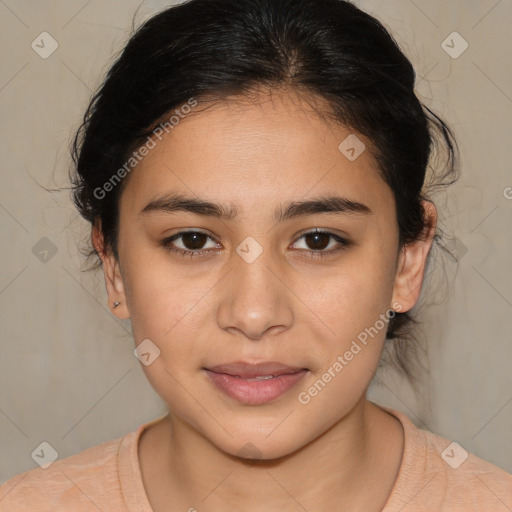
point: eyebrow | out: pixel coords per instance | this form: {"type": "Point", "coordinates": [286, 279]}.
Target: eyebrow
{"type": "Point", "coordinates": [172, 203]}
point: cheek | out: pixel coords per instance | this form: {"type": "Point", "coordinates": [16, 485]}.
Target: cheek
{"type": "Point", "coordinates": [161, 302]}
{"type": "Point", "coordinates": [334, 392]}
{"type": "Point", "coordinates": [354, 303]}
{"type": "Point", "coordinates": [351, 295]}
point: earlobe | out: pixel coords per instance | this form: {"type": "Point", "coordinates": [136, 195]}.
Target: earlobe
{"type": "Point", "coordinates": [413, 261]}
{"type": "Point", "coordinates": [112, 274]}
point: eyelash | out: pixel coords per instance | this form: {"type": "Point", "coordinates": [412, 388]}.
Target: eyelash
{"type": "Point", "coordinates": [343, 244]}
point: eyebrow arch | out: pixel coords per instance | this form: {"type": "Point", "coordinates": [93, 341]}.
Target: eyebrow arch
{"type": "Point", "coordinates": [172, 203]}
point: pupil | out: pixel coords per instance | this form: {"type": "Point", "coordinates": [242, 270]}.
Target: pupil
{"type": "Point", "coordinates": [316, 237]}
{"type": "Point", "coordinates": [193, 241]}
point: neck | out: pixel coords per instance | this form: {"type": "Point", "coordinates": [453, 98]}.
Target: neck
{"type": "Point", "coordinates": [357, 474]}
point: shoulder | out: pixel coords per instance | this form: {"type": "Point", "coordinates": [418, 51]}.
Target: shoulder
{"type": "Point", "coordinates": [439, 474]}
{"type": "Point", "coordinates": [85, 481]}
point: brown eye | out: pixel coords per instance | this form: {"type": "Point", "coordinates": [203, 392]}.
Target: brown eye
{"type": "Point", "coordinates": [322, 243]}
{"type": "Point", "coordinates": [188, 243]}
{"type": "Point", "coordinates": [194, 240]}
{"type": "Point", "coordinates": [317, 240]}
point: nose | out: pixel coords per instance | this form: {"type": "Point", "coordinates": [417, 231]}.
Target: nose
{"type": "Point", "coordinates": [254, 301]}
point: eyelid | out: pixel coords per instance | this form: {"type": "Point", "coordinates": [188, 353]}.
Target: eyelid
{"type": "Point", "coordinates": [327, 231]}
{"type": "Point", "coordinates": [343, 242]}
{"type": "Point", "coordinates": [179, 234]}
{"type": "Point", "coordinates": [192, 230]}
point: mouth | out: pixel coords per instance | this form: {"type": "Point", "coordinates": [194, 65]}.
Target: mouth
{"type": "Point", "coordinates": [255, 384]}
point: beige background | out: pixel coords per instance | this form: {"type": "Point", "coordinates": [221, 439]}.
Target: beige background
{"type": "Point", "coordinates": [68, 375]}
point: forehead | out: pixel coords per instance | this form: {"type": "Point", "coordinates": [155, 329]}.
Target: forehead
{"type": "Point", "coordinates": [257, 151]}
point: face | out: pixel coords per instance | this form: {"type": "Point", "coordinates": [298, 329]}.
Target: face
{"type": "Point", "coordinates": [257, 284]}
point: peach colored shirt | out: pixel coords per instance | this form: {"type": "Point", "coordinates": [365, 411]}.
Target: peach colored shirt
{"type": "Point", "coordinates": [434, 476]}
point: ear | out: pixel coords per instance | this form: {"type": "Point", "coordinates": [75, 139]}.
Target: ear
{"type": "Point", "coordinates": [412, 263]}
{"type": "Point", "coordinates": [112, 273]}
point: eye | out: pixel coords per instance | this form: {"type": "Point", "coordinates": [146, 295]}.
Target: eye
{"type": "Point", "coordinates": [318, 240]}
{"type": "Point", "coordinates": [192, 243]}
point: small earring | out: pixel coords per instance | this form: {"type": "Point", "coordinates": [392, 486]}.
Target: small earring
{"type": "Point", "coordinates": [116, 304]}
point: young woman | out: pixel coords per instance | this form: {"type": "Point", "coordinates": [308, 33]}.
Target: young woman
{"type": "Point", "coordinates": [254, 172]}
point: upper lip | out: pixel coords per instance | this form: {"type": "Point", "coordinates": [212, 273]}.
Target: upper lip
{"type": "Point", "coordinates": [249, 370]}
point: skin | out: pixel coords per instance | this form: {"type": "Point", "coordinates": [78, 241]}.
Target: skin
{"type": "Point", "coordinates": [284, 306]}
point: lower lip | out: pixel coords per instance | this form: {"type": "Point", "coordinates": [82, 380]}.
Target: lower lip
{"type": "Point", "coordinates": [255, 392]}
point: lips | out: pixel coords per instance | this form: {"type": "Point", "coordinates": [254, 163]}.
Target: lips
{"type": "Point", "coordinates": [255, 384]}
{"type": "Point", "coordinates": [245, 370]}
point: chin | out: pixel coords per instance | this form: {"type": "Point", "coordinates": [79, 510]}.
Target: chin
{"type": "Point", "coordinates": [255, 445]}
